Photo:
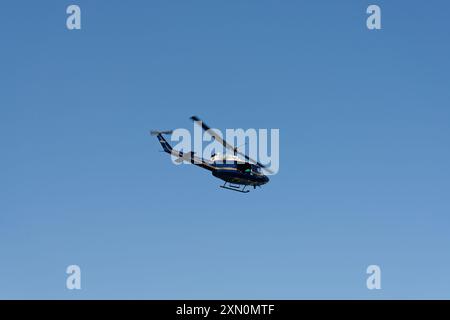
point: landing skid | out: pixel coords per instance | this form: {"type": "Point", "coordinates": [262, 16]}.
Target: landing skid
{"type": "Point", "coordinates": [237, 188]}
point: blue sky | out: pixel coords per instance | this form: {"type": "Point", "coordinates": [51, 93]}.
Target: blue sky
{"type": "Point", "coordinates": [364, 149]}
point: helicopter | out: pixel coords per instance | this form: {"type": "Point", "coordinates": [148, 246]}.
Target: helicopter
{"type": "Point", "coordinates": [237, 173]}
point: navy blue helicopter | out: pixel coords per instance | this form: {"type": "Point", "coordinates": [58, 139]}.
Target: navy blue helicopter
{"type": "Point", "coordinates": [237, 173]}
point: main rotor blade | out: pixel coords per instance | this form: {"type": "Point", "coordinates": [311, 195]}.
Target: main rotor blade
{"type": "Point", "coordinates": [156, 132]}
{"type": "Point", "coordinates": [211, 132]}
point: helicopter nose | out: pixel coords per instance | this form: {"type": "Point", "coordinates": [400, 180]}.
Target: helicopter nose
{"type": "Point", "coordinates": [266, 179]}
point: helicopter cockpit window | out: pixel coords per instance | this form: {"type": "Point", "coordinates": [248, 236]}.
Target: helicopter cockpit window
{"type": "Point", "coordinates": [256, 169]}
{"type": "Point", "coordinates": [244, 167]}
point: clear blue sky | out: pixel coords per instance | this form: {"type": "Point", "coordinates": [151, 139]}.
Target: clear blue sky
{"type": "Point", "coordinates": [364, 170]}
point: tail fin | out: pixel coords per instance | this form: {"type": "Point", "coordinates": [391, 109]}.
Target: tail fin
{"type": "Point", "coordinates": [159, 134]}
